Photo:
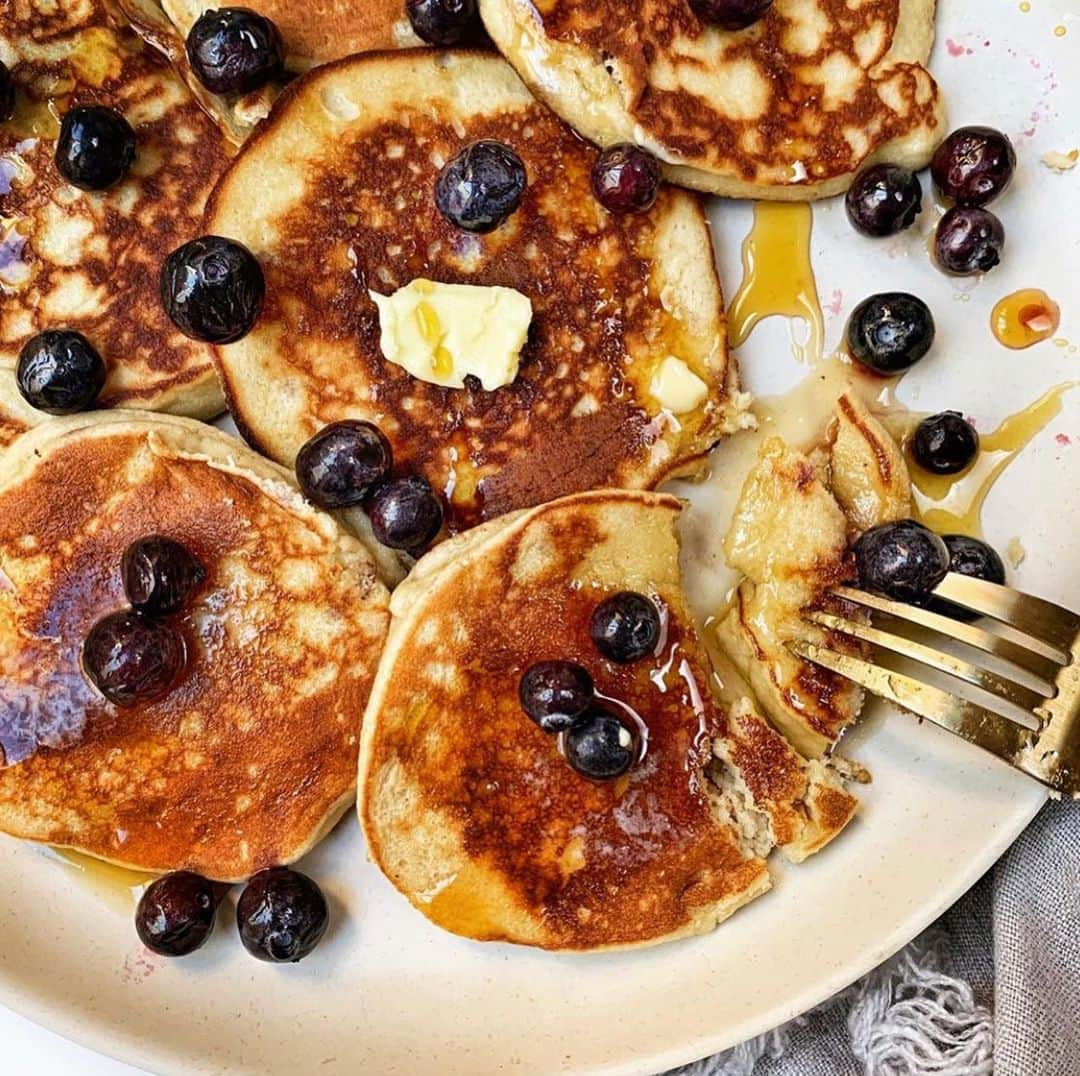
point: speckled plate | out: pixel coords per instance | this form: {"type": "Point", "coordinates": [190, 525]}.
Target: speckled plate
{"type": "Point", "coordinates": [389, 993]}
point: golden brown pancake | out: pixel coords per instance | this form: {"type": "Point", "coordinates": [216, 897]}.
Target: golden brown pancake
{"type": "Point", "coordinates": [90, 261]}
{"type": "Point", "coordinates": [335, 197]}
{"type": "Point", "coordinates": [251, 757]}
{"type": "Point", "coordinates": [472, 811]}
{"type": "Point", "coordinates": [789, 108]}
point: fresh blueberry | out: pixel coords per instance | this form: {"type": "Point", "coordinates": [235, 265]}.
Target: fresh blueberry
{"type": "Point", "coordinates": [342, 463]}
{"type": "Point", "coordinates": [235, 50]}
{"type": "Point", "coordinates": [968, 240]}
{"type": "Point", "coordinates": [902, 560]}
{"type": "Point", "coordinates": [974, 165]}
{"type": "Point", "coordinates": [406, 513]}
{"type": "Point", "coordinates": [175, 915]}
{"type": "Point", "coordinates": [60, 372]}
{"type": "Point", "coordinates": [131, 658]}
{"type": "Point", "coordinates": [159, 575]}
{"type": "Point", "coordinates": [626, 179]}
{"type": "Point", "coordinates": [7, 93]}
{"type": "Point", "coordinates": [730, 14]}
{"type": "Point", "coordinates": [213, 289]}
{"type": "Point", "coordinates": [281, 915]}
{"type": "Point", "coordinates": [945, 443]}
{"type": "Point", "coordinates": [96, 147]}
{"type": "Point", "coordinates": [600, 746]}
{"type": "Point", "coordinates": [883, 200]}
{"type": "Point", "coordinates": [890, 332]}
{"type": "Point", "coordinates": [555, 693]}
{"type": "Point", "coordinates": [974, 558]}
{"type": "Point", "coordinates": [443, 22]}
{"type": "Point", "coordinates": [625, 627]}
{"type": "Point", "coordinates": [481, 186]}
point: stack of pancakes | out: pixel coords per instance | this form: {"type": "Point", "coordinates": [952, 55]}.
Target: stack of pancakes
{"type": "Point", "coordinates": [306, 669]}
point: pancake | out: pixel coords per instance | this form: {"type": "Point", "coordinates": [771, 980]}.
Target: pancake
{"type": "Point", "coordinates": [87, 261]}
{"type": "Point", "coordinates": [788, 109]}
{"type": "Point", "coordinates": [335, 197]}
{"type": "Point", "coordinates": [251, 758]}
{"type": "Point", "coordinates": [791, 534]}
{"type": "Point", "coordinates": [472, 812]}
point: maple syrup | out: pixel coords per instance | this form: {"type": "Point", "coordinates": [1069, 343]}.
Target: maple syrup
{"type": "Point", "coordinates": [1025, 318]}
{"type": "Point", "coordinates": [778, 277]}
{"type": "Point", "coordinates": [118, 887]}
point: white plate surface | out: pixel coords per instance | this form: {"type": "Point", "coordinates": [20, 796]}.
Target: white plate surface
{"type": "Point", "coordinates": [390, 993]}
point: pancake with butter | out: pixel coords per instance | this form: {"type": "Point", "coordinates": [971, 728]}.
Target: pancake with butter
{"type": "Point", "coordinates": [335, 196]}
{"type": "Point", "coordinates": [788, 108]}
{"type": "Point", "coordinates": [251, 757]}
{"type": "Point", "coordinates": [472, 810]}
{"type": "Point", "coordinates": [90, 261]}
{"type": "Point", "coordinates": [791, 534]}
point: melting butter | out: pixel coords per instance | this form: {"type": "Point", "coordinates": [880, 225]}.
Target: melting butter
{"type": "Point", "coordinates": [443, 333]}
{"type": "Point", "coordinates": [676, 387]}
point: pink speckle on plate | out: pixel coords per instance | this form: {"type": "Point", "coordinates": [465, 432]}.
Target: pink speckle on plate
{"type": "Point", "coordinates": [1063, 439]}
{"type": "Point", "coordinates": [139, 965]}
{"type": "Point", "coordinates": [956, 49]}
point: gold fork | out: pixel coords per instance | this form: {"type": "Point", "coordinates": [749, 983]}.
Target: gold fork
{"type": "Point", "coordinates": [1027, 712]}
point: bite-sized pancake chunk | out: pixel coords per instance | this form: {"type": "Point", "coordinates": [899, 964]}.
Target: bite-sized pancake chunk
{"type": "Point", "coordinates": [89, 261]}
{"type": "Point", "coordinates": [250, 758]}
{"type": "Point", "coordinates": [474, 812]}
{"type": "Point", "coordinates": [790, 536]}
{"type": "Point", "coordinates": [788, 108]}
{"type": "Point", "coordinates": [335, 196]}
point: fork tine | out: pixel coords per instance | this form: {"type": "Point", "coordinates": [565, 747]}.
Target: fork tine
{"type": "Point", "coordinates": [1035, 663]}
{"type": "Point", "coordinates": [1023, 697]}
{"type": "Point", "coordinates": [979, 726]}
{"type": "Point", "coordinates": [1033, 616]}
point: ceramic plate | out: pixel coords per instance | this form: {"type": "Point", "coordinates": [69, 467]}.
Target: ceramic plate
{"type": "Point", "coordinates": [390, 993]}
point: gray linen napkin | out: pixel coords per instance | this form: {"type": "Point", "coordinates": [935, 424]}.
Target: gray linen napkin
{"type": "Point", "coordinates": [992, 988]}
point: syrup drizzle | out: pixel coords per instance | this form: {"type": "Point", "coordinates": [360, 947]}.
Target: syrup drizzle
{"type": "Point", "coordinates": [778, 277]}
{"type": "Point", "coordinates": [118, 887]}
{"type": "Point", "coordinates": [1025, 318]}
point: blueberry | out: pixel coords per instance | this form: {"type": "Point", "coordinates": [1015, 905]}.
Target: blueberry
{"type": "Point", "coordinates": [890, 332]}
{"type": "Point", "coordinates": [7, 93]}
{"type": "Point", "coordinates": [175, 915]}
{"type": "Point", "coordinates": [555, 693]}
{"type": "Point", "coordinates": [406, 513]}
{"type": "Point", "coordinates": [159, 575]}
{"type": "Point", "coordinates": [341, 464]}
{"type": "Point", "coordinates": [902, 560]}
{"type": "Point", "coordinates": [974, 558]}
{"type": "Point", "coordinates": [60, 372]}
{"type": "Point", "coordinates": [625, 627]}
{"type": "Point", "coordinates": [626, 179]}
{"type": "Point", "coordinates": [600, 746]}
{"type": "Point", "coordinates": [96, 147]}
{"type": "Point", "coordinates": [945, 443]}
{"type": "Point", "coordinates": [443, 22]}
{"type": "Point", "coordinates": [974, 165]}
{"type": "Point", "coordinates": [730, 14]}
{"type": "Point", "coordinates": [481, 186]}
{"type": "Point", "coordinates": [968, 240]}
{"type": "Point", "coordinates": [235, 50]}
{"type": "Point", "coordinates": [213, 289]}
{"type": "Point", "coordinates": [282, 915]}
{"type": "Point", "coordinates": [883, 200]}
{"type": "Point", "coordinates": [131, 658]}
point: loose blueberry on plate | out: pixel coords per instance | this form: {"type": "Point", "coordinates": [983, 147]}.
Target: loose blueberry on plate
{"type": "Point", "coordinates": [282, 915]}
{"type": "Point", "coordinates": [406, 513]}
{"type": "Point", "coordinates": [96, 147]}
{"type": "Point", "coordinates": [555, 693]}
{"type": "Point", "coordinates": [481, 186]}
{"type": "Point", "coordinates": [600, 746]}
{"type": "Point", "coordinates": [968, 240]}
{"type": "Point", "coordinates": [902, 560]}
{"type": "Point", "coordinates": [131, 658]}
{"type": "Point", "coordinates": [175, 915]}
{"type": "Point", "coordinates": [890, 332]}
{"type": "Point", "coordinates": [7, 93]}
{"type": "Point", "coordinates": [60, 372]}
{"type": "Point", "coordinates": [626, 179]}
{"type": "Point", "coordinates": [213, 289]}
{"type": "Point", "coordinates": [972, 557]}
{"type": "Point", "coordinates": [945, 443]}
{"type": "Point", "coordinates": [974, 165]}
{"type": "Point", "coordinates": [730, 14]}
{"type": "Point", "coordinates": [235, 50]}
{"type": "Point", "coordinates": [883, 200]}
{"type": "Point", "coordinates": [341, 464]}
{"type": "Point", "coordinates": [159, 575]}
{"type": "Point", "coordinates": [443, 22]}
{"type": "Point", "coordinates": [625, 627]}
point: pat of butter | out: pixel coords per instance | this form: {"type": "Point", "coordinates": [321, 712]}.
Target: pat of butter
{"type": "Point", "coordinates": [442, 333]}
{"type": "Point", "coordinates": [676, 387]}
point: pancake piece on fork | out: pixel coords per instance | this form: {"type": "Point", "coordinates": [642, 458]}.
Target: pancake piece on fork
{"type": "Point", "coordinates": [472, 810]}
{"type": "Point", "coordinates": [250, 759]}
